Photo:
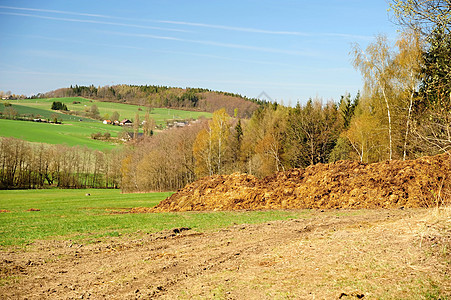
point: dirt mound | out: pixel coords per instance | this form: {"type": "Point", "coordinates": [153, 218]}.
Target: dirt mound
{"type": "Point", "coordinates": [423, 182]}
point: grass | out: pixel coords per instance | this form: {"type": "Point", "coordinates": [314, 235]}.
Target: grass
{"type": "Point", "coordinates": [29, 108]}
{"type": "Point", "coordinates": [70, 214]}
{"type": "Point", "coordinates": [66, 133]}
{"type": "Point", "coordinates": [126, 111]}
{"type": "Point", "coordinates": [73, 132]}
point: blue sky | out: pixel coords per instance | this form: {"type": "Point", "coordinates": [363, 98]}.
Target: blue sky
{"type": "Point", "coordinates": [290, 49]}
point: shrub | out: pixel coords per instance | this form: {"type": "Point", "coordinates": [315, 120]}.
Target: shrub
{"type": "Point", "coordinates": [96, 136]}
{"type": "Point", "coordinates": [56, 105]}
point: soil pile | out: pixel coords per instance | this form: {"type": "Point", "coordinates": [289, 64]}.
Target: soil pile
{"type": "Point", "coordinates": [423, 182]}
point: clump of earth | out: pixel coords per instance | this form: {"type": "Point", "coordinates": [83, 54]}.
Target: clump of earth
{"type": "Point", "coordinates": [424, 182]}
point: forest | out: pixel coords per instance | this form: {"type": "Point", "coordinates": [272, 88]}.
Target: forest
{"type": "Point", "coordinates": [403, 112]}
{"type": "Point", "coordinates": [152, 96]}
{"type": "Point", "coordinates": [25, 165]}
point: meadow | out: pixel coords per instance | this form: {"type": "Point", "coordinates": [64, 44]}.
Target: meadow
{"type": "Point", "coordinates": [106, 109]}
{"type": "Point", "coordinates": [70, 214]}
{"type": "Point", "coordinates": [77, 130]}
{"type": "Point", "coordinates": [71, 134]}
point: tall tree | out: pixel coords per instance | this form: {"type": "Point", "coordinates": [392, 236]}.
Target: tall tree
{"type": "Point", "coordinates": [431, 19]}
{"type": "Point", "coordinates": [347, 107]}
{"type": "Point", "coordinates": [313, 130]}
{"type": "Point", "coordinates": [212, 145]}
{"type": "Point", "coordinates": [365, 133]}
{"type": "Point", "coordinates": [408, 63]}
{"type": "Point", "coordinates": [436, 86]}
{"type": "Point", "coordinates": [434, 126]}
{"type": "Point", "coordinates": [136, 126]}
{"type": "Point", "coordinates": [423, 15]}
{"type": "Point", "coordinates": [263, 145]}
{"type": "Point", "coordinates": [375, 64]}
{"type": "Point", "coordinates": [148, 124]}
{"type": "Point", "coordinates": [238, 137]}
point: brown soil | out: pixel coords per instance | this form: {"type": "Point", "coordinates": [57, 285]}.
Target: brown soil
{"type": "Point", "coordinates": [331, 254]}
{"type": "Point", "coordinates": [424, 182]}
{"type": "Point", "coordinates": [33, 209]}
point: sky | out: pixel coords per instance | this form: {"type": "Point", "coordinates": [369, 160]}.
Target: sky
{"type": "Point", "coordinates": [289, 50]}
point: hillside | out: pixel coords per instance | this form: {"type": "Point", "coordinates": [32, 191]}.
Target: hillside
{"type": "Point", "coordinates": [195, 99]}
{"type": "Point", "coordinates": [425, 182]}
{"type": "Point", "coordinates": [76, 128]}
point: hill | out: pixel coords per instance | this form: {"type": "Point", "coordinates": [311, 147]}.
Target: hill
{"type": "Point", "coordinates": [76, 128]}
{"type": "Point", "coordinates": [196, 99]}
{"type": "Point", "coordinates": [70, 134]}
{"type": "Point", "coordinates": [423, 182]}
{"type": "Point", "coordinates": [78, 105]}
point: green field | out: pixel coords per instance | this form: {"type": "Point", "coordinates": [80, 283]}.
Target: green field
{"type": "Point", "coordinates": [71, 134]}
{"type": "Point", "coordinates": [45, 113]}
{"type": "Point", "coordinates": [73, 131]}
{"type": "Point", "coordinates": [126, 111]}
{"type": "Point", "coordinates": [70, 214]}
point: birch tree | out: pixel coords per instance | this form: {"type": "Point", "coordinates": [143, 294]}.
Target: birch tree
{"type": "Point", "coordinates": [423, 15]}
{"type": "Point", "coordinates": [212, 145]}
{"type": "Point", "coordinates": [408, 63]}
{"type": "Point", "coordinates": [376, 67]}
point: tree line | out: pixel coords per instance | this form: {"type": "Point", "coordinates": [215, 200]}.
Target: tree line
{"type": "Point", "coordinates": [403, 112]}
{"type": "Point", "coordinates": [25, 165]}
{"type": "Point", "coordinates": [162, 96]}
{"type": "Point", "coordinates": [274, 139]}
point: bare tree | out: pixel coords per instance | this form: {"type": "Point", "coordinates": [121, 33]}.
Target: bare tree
{"type": "Point", "coordinates": [408, 63]}
{"type": "Point", "coordinates": [375, 64]}
{"type": "Point", "coordinates": [423, 15]}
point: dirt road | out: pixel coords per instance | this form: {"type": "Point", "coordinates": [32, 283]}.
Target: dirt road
{"type": "Point", "coordinates": [332, 254]}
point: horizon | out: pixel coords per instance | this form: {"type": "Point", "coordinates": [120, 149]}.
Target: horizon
{"type": "Point", "coordinates": [289, 51]}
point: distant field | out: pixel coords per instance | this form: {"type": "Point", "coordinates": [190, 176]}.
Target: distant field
{"type": "Point", "coordinates": [73, 132]}
{"type": "Point", "coordinates": [46, 113]}
{"type": "Point", "coordinates": [126, 111]}
{"type": "Point", "coordinates": [70, 214]}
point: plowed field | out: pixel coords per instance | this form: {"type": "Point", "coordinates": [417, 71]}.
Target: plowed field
{"type": "Point", "coordinates": [331, 254]}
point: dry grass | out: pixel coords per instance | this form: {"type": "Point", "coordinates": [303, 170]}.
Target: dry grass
{"type": "Point", "coordinates": [331, 254]}
{"type": "Point", "coordinates": [374, 260]}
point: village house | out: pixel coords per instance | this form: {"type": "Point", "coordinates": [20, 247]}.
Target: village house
{"type": "Point", "coordinates": [126, 122]}
{"type": "Point", "coordinates": [127, 136]}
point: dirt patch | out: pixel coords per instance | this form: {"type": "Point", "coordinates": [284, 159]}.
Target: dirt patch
{"type": "Point", "coordinates": [347, 254]}
{"type": "Point", "coordinates": [4, 211]}
{"type": "Point", "coordinates": [424, 182]}
{"type": "Point", "coordinates": [33, 209]}
{"type": "Point", "coordinates": [110, 210]}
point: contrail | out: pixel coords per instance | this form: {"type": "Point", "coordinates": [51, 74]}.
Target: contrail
{"type": "Point", "coordinates": [92, 22]}
{"type": "Point", "coordinates": [211, 43]}
{"type": "Point", "coordinates": [192, 24]}
{"type": "Point", "coordinates": [55, 11]}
